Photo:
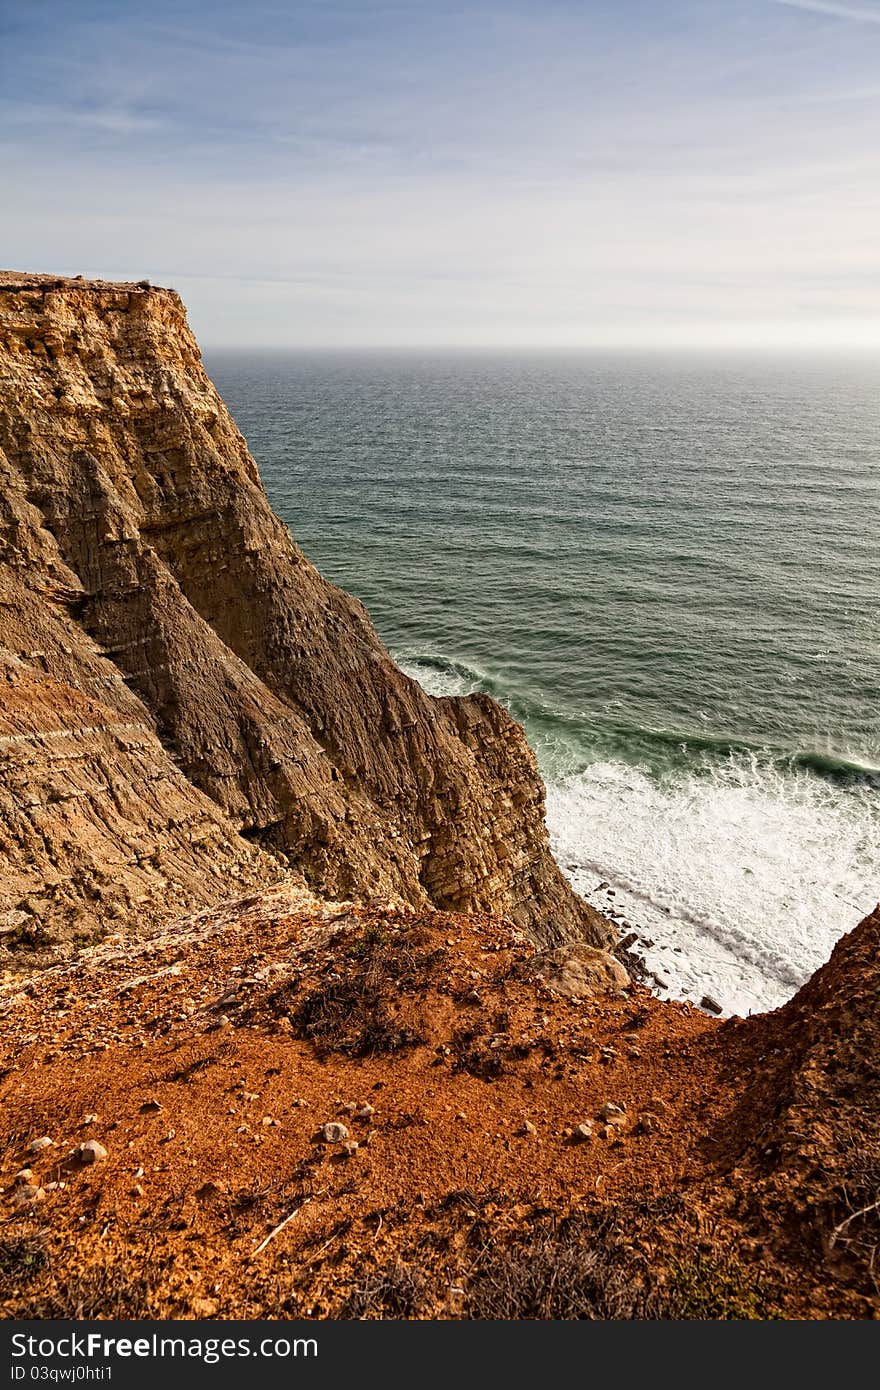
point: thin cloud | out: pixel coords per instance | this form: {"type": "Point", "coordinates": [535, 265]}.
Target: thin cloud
{"type": "Point", "coordinates": [334, 173]}
{"type": "Point", "coordinates": [855, 12]}
{"type": "Point", "coordinates": [109, 119]}
{"type": "Point", "coordinates": [118, 122]}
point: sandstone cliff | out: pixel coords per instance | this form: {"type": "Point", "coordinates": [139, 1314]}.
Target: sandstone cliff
{"type": "Point", "coordinates": [186, 704]}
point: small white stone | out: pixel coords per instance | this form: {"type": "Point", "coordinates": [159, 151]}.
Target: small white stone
{"type": "Point", "coordinates": [611, 1113]}
{"type": "Point", "coordinates": [91, 1152]}
{"type": "Point", "coordinates": [334, 1132]}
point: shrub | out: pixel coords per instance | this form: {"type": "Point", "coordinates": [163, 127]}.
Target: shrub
{"type": "Point", "coordinates": [857, 1233]}
{"type": "Point", "coordinates": [21, 1259]}
{"type": "Point", "coordinates": [357, 1014]}
{"type": "Point", "coordinates": [570, 1271]}
{"type": "Point", "coordinates": [701, 1288]}
{"type": "Point", "coordinates": [396, 1291]}
{"type": "Point", "coordinates": [113, 1290]}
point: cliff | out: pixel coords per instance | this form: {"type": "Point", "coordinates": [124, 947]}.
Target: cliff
{"type": "Point", "coordinates": [187, 704]}
{"type": "Point", "coordinates": [371, 1058]}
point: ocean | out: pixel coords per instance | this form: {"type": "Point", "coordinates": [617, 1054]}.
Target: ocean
{"type": "Point", "coordinates": [666, 568]}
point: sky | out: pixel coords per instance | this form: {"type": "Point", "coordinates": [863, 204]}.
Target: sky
{"type": "Point", "coordinates": [514, 173]}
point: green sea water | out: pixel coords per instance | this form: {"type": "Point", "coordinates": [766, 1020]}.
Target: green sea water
{"type": "Point", "coordinates": [667, 570]}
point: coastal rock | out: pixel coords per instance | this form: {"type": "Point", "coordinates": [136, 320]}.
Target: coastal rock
{"type": "Point", "coordinates": [11, 922]}
{"type": "Point", "coordinates": [815, 1143]}
{"type": "Point", "coordinates": [579, 971]}
{"type": "Point", "coordinates": [187, 704]}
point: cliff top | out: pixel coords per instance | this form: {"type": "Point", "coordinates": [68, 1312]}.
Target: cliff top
{"type": "Point", "coordinates": [27, 280]}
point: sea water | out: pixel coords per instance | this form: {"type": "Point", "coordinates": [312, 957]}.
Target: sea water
{"type": "Point", "coordinates": [666, 568]}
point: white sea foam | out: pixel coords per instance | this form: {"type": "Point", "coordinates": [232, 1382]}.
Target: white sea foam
{"type": "Point", "coordinates": [738, 876]}
{"type": "Point", "coordinates": [742, 877]}
{"type": "Point", "coordinates": [437, 681]}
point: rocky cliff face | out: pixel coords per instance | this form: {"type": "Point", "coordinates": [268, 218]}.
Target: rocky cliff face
{"type": "Point", "coordinates": [186, 704]}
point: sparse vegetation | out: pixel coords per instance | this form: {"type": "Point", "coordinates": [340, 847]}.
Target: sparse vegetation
{"type": "Point", "coordinates": [485, 1055]}
{"type": "Point", "coordinates": [89, 937]}
{"type": "Point", "coordinates": [44, 1288]}
{"type": "Point", "coordinates": [705, 1288]}
{"type": "Point", "coordinates": [396, 1291]}
{"type": "Point", "coordinates": [29, 936]}
{"type": "Point", "coordinates": [22, 1257]}
{"type": "Point", "coordinates": [575, 1267]}
{"type": "Point", "coordinates": [857, 1232]}
{"type": "Point", "coordinates": [572, 1270]}
{"type": "Point", "coordinates": [357, 1014]}
{"type": "Point", "coordinates": [562, 1268]}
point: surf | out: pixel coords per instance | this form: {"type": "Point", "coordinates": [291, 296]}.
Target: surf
{"type": "Point", "coordinates": [736, 865]}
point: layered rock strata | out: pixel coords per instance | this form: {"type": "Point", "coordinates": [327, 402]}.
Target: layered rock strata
{"type": "Point", "coordinates": [146, 584]}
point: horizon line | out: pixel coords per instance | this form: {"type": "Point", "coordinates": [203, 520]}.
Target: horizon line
{"type": "Point", "coordinates": [803, 348]}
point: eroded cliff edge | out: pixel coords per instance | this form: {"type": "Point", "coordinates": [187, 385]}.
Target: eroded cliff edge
{"type": "Point", "coordinates": [187, 706]}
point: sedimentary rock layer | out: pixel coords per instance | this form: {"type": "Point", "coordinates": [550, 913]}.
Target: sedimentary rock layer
{"type": "Point", "coordinates": [142, 567]}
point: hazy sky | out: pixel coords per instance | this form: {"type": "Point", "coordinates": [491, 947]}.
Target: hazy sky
{"type": "Point", "coordinates": [424, 172]}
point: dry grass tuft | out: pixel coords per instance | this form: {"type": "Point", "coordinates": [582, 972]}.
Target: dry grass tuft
{"type": "Point", "coordinates": [357, 1013]}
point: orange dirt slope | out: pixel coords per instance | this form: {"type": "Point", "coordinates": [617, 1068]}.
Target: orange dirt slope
{"type": "Point", "coordinates": [207, 1061]}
